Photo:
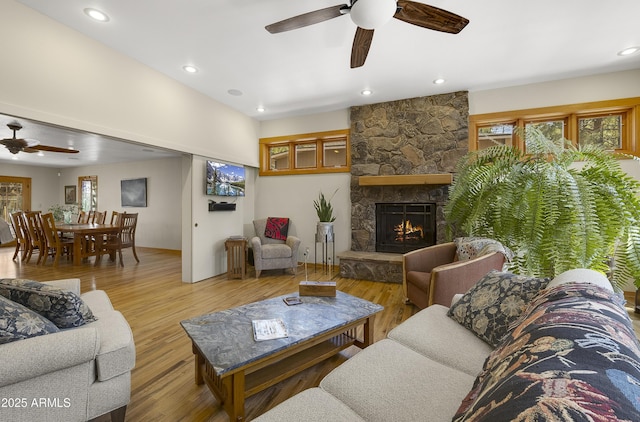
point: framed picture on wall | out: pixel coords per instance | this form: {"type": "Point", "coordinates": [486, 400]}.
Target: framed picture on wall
{"type": "Point", "coordinates": [133, 192]}
{"type": "Point", "coordinates": [70, 195]}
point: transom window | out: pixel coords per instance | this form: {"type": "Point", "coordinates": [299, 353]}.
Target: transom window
{"type": "Point", "coordinates": [322, 152]}
{"type": "Point", "coordinates": [614, 125]}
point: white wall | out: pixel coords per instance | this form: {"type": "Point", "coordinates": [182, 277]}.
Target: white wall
{"type": "Point", "coordinates": [602, 87]}
{"type": "Point", "coordinates": [159, 222]}
{"type": "Point", "coordinates": [57, 75]}
{"type": "Point", "coordinates": [212, 228]}
{"type": "Point", "coordinates": [293, 196]}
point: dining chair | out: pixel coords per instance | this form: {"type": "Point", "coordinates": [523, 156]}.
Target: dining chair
{"type": "Point", "coordinates": [114, 217]}
{"type": "Point", "coordinates": [89, 243]}
{"type": "Point", "coordinates": [125, 238]}
{"type": "Point", "coordinates": [100, 217]}
{"type": "Point", "coordinates": [56, 245]}
{"type": "Point", "coordinates": [21, 233]}
{"type": "Point", "coordinates": [83, 217]}
{"type": "Point", "coordinates": [37, 238]}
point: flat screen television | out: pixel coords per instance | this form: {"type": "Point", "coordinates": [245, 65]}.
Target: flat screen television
{"type": "Point", "coordinates": [224, 179]}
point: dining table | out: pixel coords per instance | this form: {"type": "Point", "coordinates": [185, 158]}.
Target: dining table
{"type": "Point", "coordinates": [81, 231]}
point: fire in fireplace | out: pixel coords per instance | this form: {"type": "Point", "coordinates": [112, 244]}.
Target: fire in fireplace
{"type": "Point", "coordinates": [403, 227]}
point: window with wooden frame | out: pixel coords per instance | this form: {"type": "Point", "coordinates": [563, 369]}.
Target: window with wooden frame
{"type": "Point", "coordinates": [613, 124]}
{"type": "Point", "coordinates": [321, 152]}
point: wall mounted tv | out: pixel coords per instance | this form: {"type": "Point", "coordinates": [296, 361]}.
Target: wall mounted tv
{"type": "Point", "coordinates": [224, 179]}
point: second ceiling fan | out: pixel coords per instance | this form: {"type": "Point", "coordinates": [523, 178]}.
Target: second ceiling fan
{"type": "Point", "coordinates": [369, 14]}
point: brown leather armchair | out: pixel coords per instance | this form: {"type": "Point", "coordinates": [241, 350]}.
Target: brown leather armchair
{"type": "Point", "coordinates": [433, 275]}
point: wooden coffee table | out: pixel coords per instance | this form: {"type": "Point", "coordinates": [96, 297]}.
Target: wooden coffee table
{"type": "Point", "coordinates": [235, 366]}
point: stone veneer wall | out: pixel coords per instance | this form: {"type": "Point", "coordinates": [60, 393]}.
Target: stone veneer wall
{"type": "Point", "coordinates": [413, 136]}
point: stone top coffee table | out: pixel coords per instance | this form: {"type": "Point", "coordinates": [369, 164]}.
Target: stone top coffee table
{"type": "Point", "coordinates": [235, 366]}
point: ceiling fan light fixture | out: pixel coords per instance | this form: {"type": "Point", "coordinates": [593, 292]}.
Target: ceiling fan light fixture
{"type": "Point", "coordinates": [97, 15]}
{"type": "Point", "coordinates": [371, 14]}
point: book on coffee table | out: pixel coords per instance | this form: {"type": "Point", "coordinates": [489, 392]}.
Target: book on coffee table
{"type": "Point", "coordinates": [269, 329]}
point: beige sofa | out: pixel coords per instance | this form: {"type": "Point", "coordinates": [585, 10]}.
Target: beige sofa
{"type": "Point", "coordinates": [74, 375]}
{"type": "Point", "coordinates": [422, 371]}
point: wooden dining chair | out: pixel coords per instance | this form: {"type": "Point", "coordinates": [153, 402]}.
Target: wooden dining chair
{"type": "Point", "coordinates": [114, 217]}
{"type": "Point", "coordinates": [125, 238]}
{"type": "Point", "coordinates": [83, 217]}
{"type": "Point", "coordinates": [89, 242]}
{"type": "Point", "coordinates": [100, 217]}
{"type": "Point", "coordinates": [37, 239]}
{"type": "Point", "coordinates": [56, 245]}
{"type": "Point", "coordinates": [21, 233]}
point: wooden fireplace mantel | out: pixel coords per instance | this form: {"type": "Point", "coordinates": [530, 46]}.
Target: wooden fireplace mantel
{"type": "Point", "coordinates": [407, 179]}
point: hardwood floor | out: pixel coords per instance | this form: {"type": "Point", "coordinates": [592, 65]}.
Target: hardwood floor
{"type": "Point", "coordinates": [154, 301]}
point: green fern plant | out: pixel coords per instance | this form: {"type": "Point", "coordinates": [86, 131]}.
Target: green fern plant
{"type": "Point", "coordinates": [324, 209]}
{"type": "Point", "coordinates": [556, 207]}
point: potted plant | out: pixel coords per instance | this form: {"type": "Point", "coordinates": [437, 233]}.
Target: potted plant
{"type": "Point", "coordinates": [556, 207]}
{"type": "Point", "coordinates": [324, 229]}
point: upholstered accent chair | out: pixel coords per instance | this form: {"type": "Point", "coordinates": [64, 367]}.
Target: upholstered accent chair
{"type": "Point", "coordinates": [270, 253]}
{"type": "Point", "coordinates": [433, 275]}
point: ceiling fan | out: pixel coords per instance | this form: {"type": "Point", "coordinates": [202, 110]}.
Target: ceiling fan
{"type": "Point", "coordinates": [16, 145]}
{"type": "Point", "coordinates": [370, 14]}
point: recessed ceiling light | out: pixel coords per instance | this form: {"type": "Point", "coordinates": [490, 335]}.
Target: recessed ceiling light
{"type": "Point", "coordinates": [189, 68]}
{"type": "Point", "coordinates": [96, 15]}
{"type": "Point", "coordinates": [629, 51]}
{"type": "Point", "coordinates": [234, 92]}
{"type": "Point", "coordinates": [260, 109]}
{"type": "Point", "coordinates": [439, 81]}
{"type": "Point", "coordinates": [366, 92]}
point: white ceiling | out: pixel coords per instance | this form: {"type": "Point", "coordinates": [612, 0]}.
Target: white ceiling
{"type": "Point", "coordinates": [507, 42]}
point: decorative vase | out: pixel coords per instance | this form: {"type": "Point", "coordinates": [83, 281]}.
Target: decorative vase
{"type": "Point", "coordinates": [324, 232]}
{"type": "Point", "coordinates": [67, 217]}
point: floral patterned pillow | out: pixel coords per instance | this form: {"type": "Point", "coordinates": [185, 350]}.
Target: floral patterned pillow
{"type": "Point", "coordinates": [494, 303]}
{"type": "Point", "coordinates": [64, 308]}
{"type": "Point", "coordinates": [573, 356]}
{"type": "Point", "coordinates": [18, 322]}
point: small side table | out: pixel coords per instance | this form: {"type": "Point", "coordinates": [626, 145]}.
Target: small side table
{"type": "Point", "coordinates": [236, 248]}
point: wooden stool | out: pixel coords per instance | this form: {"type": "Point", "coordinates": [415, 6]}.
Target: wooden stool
{"type": "Point", "coordinates": [236, 248]}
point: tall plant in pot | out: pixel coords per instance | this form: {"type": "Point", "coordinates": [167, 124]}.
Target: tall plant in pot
{"type": "Point", "coordinates": [324, 209]}
{"type": "Point", "coordinates": [556, 206]}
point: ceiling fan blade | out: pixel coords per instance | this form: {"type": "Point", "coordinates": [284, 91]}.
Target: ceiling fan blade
{"type": "Point", "coordinates": [430, 17]}
{"type": "Point", "coordinates": [48, 148]}
{"type": "Point", "coordinates": [361, 45]}
{"type": "Point", "coordinates": [308, 19]}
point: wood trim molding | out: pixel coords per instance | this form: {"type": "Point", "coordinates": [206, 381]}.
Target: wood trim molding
{"type": "Point", "coordinates": [407, 179]}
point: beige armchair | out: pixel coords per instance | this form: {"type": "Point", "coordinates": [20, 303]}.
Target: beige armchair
{"type": "Point", "coordinates": [269, 254]}
{"type": "Point", "coordinates": [433, 275]}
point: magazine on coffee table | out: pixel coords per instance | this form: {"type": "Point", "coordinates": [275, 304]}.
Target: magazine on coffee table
{"type": "Point", "coordinates": [269, 329]}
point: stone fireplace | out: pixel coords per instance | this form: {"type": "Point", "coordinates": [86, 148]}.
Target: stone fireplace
{"type": "Point", "coordinates": [413, 137]}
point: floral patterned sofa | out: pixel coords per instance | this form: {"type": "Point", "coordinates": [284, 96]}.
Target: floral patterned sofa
{"type": "Point", "coordinates": [511, 348]}
{"type": "Point", "coordinates": [63, 356]}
